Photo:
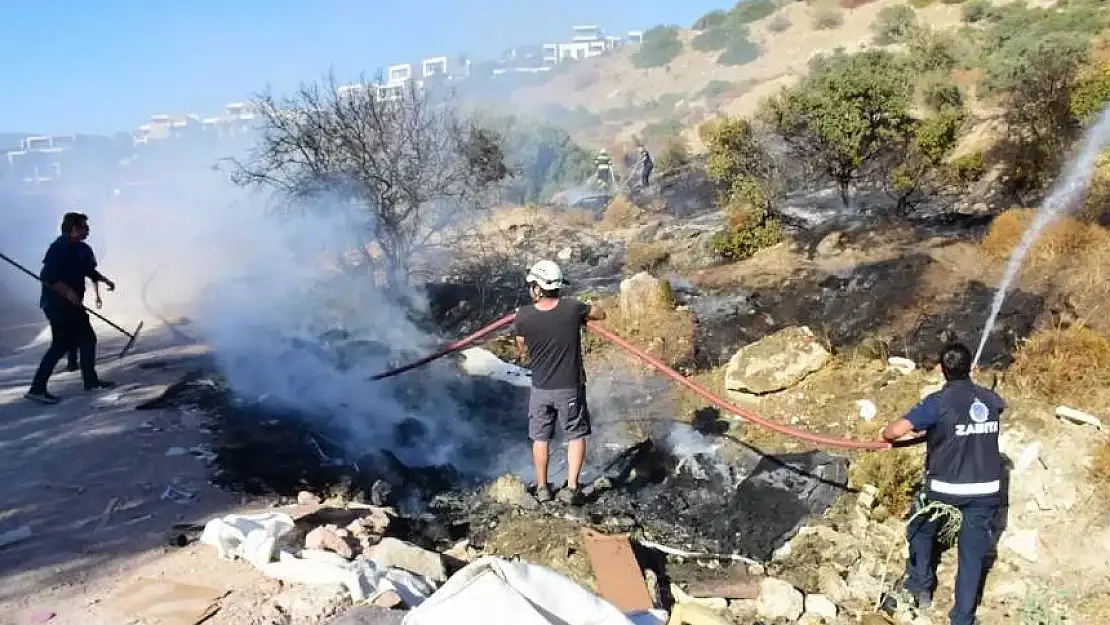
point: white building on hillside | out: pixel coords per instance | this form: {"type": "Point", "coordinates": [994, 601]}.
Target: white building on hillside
{"type": "Point", "coordinates": [587, 42]}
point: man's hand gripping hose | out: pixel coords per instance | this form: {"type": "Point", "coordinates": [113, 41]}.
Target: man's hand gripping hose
{"type": "Point", "coordinates": [701, 391]}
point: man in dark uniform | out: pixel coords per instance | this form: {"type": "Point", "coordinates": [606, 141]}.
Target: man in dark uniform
{"type": "Point", "coordinates": [68, 262]}
{"type": "Point", "coordinates": [963, 468]}
{"type": "Point", "coordinates": [646, 165]}
{"type": "Point", "coordinates": [550, 333]}
{"type": "Point", "coordinates": [71, 356]}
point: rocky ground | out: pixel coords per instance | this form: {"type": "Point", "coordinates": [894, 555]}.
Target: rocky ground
{"type": "Point", "coordinates": [833, 332]}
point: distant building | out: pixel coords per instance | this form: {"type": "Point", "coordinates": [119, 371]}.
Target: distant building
{"type": "Point", "coordinates": [43, 159]}
{"type": "Point", "coordinates": [237, 119]}
{"type": "Point", "coordinates": [162, 127]}
{"type": "Point", "coordinates": [587, 42]}
{"type": "Point", "coordinates": [521, 60]}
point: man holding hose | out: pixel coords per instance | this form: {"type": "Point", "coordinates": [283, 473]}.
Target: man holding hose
{"type": "Point", "coordinates": [550, 334]}
{"type": "Point", "coordinates": [963, 469]}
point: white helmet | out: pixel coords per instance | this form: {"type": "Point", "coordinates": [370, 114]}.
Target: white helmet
{"type": "Point", "coordinates": [547, 275]}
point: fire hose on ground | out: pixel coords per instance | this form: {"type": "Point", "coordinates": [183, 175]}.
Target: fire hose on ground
{"type": "Point", "coordinates": [744, 413]}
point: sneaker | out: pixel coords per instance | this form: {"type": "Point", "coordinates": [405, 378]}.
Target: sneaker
{"type": "Point", "coordinates": [570, 496]}
{"type": "Point", "coordinates": [41, 397]}
{"type": "Point", "coordinates": [101, 385]}
{"type": "Point", "coordinates": [543, 495]}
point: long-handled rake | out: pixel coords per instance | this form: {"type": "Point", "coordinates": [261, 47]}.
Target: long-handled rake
{"type": "Point", "coordinates": [131, 336]}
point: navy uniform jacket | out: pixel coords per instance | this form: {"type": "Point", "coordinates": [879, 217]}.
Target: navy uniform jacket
{"type": "Point", "coordinates": [69, 262]}
{"type": "Point", "coordinates": [962, 423]}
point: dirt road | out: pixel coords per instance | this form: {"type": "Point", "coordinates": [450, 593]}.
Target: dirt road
{"type": "Point", "coordinates": [87, 477]}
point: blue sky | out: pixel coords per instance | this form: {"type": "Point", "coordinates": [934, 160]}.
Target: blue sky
{"type": "Point", "coordinates": [77, 65]}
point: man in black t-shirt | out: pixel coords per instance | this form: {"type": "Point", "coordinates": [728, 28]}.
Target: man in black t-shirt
{"type": "Point", "coordinates": [550, 333]}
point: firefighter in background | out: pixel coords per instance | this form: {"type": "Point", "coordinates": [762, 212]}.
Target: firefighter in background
{"type": "Point", "coordinates": [604, 164]}
{"type": "Point", "coordinates": [645, 165]}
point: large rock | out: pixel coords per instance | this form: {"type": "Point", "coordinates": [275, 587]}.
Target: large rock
{"type": "Point", "coordinates": [643, 293]}
{"type": "Point", "coordinates": [397, 553]}
{"type": "Point", "coordinates": [776, 362]}
{"type": "Point", "coordinates": [820, 605]}
{"type": "Point", "coordinates": [780, 600]}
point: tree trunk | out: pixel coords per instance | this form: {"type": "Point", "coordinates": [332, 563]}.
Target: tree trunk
{"type": "Point", "coordinates": [845, 193]}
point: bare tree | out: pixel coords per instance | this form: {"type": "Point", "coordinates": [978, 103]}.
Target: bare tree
{"type": "Point", "coordinates": [407, 161]}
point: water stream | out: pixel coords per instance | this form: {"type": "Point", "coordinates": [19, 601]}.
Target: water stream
{"type": "Point", "coordinates": [1062, 198]}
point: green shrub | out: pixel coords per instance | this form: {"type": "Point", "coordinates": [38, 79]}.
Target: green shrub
{"type": "Point", "coordinates": [1091, 92]}
{"type": "Point", "coordinates": [739, 52]}
{"type": "Point", "coordinates": [712, 40]}
{"type": "Point", "coordinates": [920, 4]}
{"type": "Point", "coordinates": [661, 46]}
{"type": "Point", "coordinates": [717, 88]}
{"type": "Point", "coordinates": [967, 168]}
{"type": "Point", "coordinates": [674, 154]}
{"type": "Point", "coordinates": [747, 11]}
{"type": "Point", "coordinates": [711, 19]}
{"type": "Point", "coordinates": [660, 131]}
{"type": "Point", "coordinates": [645, 256]}
{"type": "Point", "coordinates": [952, 1]}
{"type": "Point", "coordinates": [827, 17]}
{"type": "Point", "coordinates": [931, 50]}
{"type": "Point", "coordinates": [940, 92]}
{"type": "Point", "coordinates": [893, 24]}
{"type": "Point", "coordinates": [749, 230]}
{"type": "Point", "coordinates": [975, 11]}
{"type": "Point", "coordinates": [779, 23]}
{"type": "Point", "coordinates": [935, 137]}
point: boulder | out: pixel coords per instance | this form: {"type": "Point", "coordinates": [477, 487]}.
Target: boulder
{"type": "Point", "coordinates": [776, 362]}
{"type": "Point", "coordinates": [832, 585]}
{"type": "Point", "coordinates": [831, 244]}
{"type": "Point", "coordinates": [780, 600]}
{"type": "Point", "coordinates": [820, 605]}
{"type": "Point", "coordinates": [392, 552]}
{"type": "Point", "coordinates": [643, 293]}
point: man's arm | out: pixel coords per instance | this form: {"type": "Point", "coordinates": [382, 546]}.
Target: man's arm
{"type": "Point", "coordinates": [521, 348]}
{"type": "Point", "coordinates": [596, 313]}
{"type": "Point", "coordinates": [920, 418]}
{"type": "Point", "coordinates": [92, 274]}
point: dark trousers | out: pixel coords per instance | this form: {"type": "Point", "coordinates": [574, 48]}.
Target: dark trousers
{"type": "Point", "coordinates": [69, 329]}
{"type": "Point", "coordinates": [976, 542]}
{"type": "Point", "coordinates": [645, 175]}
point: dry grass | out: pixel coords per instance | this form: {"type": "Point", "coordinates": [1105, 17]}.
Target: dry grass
{"type": "Point", "coordinates": [1066, 365]}
{"type": "Point", "coordinates": [646, 256]}
{"type": "Point", "coordinates": [620, 213]}
{"type": "Point", "coordinates": [661, 331]}
{"type": "Point", "coordinates": [897, 474]}
{"type": "Point", "coordinates": [577, 218]}
{"type": "Point", "coordinates": [1100, 468]}
{"type": "Point", "coordinates": [1060, 241]}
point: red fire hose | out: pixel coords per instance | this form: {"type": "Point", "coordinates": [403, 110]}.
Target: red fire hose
{"type": "Point", "coordinates": [701, 391]}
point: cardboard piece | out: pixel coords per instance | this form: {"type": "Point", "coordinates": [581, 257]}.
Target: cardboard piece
{"type": "Point", "coordinates": [619, 578]}
{"type": "Point", "coordinates": [164, 602]}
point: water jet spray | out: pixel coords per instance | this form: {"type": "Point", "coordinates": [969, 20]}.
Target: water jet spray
{"type": "Point", "coordinates": [1063, 196]}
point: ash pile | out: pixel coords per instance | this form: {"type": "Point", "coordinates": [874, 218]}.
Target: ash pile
{"type": "Point", "coordinates": [683, 488]}
{"type": "Point", "coordinates": [685, 502]}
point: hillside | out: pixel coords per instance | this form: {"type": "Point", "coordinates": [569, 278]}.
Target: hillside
{"type": "Point", "coordinates": [694, 86]}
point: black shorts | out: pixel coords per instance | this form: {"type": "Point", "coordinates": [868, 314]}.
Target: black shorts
{"type": "Point", "coordinates": [566, 406]}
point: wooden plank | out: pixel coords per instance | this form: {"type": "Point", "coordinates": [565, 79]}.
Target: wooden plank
{"type": "Point", "coordinates": [619, 578]}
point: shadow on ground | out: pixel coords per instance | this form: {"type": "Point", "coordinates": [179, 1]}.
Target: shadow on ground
{"type": "Point", "coordinates": [87, 475]}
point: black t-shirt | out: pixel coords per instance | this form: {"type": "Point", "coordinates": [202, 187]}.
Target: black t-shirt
{"type": "Point", "coordinates": [553, 339]}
